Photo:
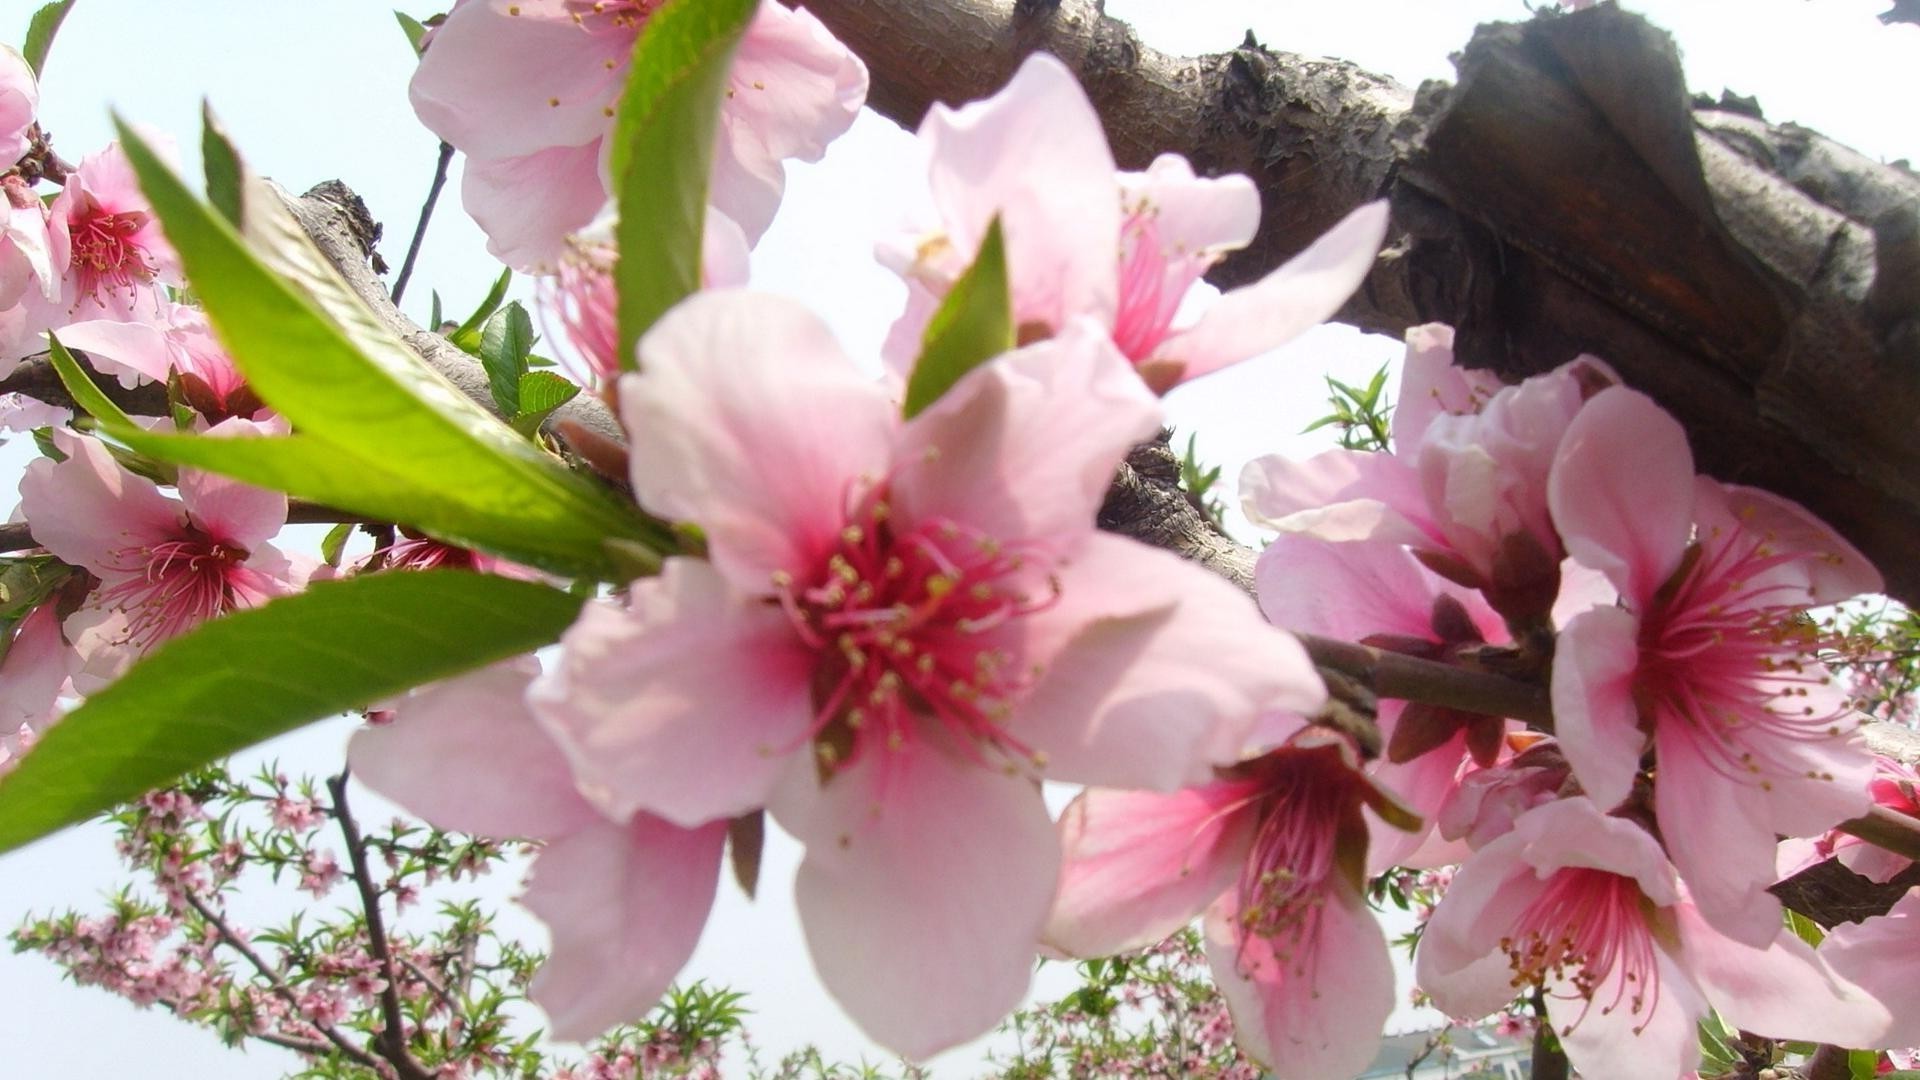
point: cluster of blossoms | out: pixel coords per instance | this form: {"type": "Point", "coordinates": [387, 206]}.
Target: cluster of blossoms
{"type": "Point", "coordinates": [891, 637]}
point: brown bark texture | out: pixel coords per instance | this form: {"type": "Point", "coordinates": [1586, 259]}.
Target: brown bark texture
{"type": "Point", "coordinates": [1564, 195]}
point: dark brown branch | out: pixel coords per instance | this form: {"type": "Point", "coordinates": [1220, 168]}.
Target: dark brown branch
{"type": "Point", "coordinates": [1392, 675]}
{"type": "Point", "coordinates": [1564, 197]}
{"type": "Point", "coordinates": [35, 377]}
{"type": "Point", "coordinates": [1549, 1060]}
{"type": "Point", "coordinates": [426, 215]}
{"type": "Point", "coordinates": [392, 1038]}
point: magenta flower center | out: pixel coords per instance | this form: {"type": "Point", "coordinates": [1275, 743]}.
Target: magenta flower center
{"type": "Point", "coordinates": [621, 14]}
{"type": "Point", "coordinates": [104, 253]}
{"type": "Point", "coordinates": [1151, 285]}
{"type": "Point", "coordinates": [582, 297]}
{"type": "Point", "coordinates": [174, 585]}
{"type": "Point", "coordinates": [1584, 928]}
{"type": "Point", "coordinates": [1306, 799]}
{"type": "Point", "coordinates": [1729, 662]}
{"type": "Point", "coordinates": [911, 627]}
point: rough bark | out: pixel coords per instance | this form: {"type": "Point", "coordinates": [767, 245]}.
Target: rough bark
{"type": "Point", "coordinates": [1565, 195]}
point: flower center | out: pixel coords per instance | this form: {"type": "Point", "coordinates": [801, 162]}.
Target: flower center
{"type": "Point", "coordinates": [1306, 796]}
{"type": "Point", "coordinates": [582, 297]}
{"type": "Point", "coordinates": [173, 585]}
{"type": "Point", "coordinates": [602, 14]}
{"type": "Point", "coordinates": [104, 254]}
{"type": "Point", "coordinates": [1586, 925]}
{"type": "Point", "coordinates": [1152, 284]}
{"type": "Point", "coordinates": [911, 627]}
{"type": "Point", "coordinates": [1731, 655]}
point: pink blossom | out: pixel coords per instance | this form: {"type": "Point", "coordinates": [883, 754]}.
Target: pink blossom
{"type": "Point", "coordinates": [527, 89]}
{"type": "Point", "coordinates": [1274, 852]}
{"type": "Point", "coordinates": [1588, 908]}
{"type": "Point", "coordinates": [113, 248]}
{"type": "Point", "coordinates": [623, 898]}
{"type": "Point", "coordinates": [319, 872]}
{"type": "Point", "coordinates": [1895, 786]}
{"type": "Point", "coordinates": [27, 262]}
{"type": "Point", "coordinates": [164, 564]}
{"type": "Point", "coordinates": [33, 678]}
{"type": "Point", "coordinates": [902, 624]}
{"type": "Point", "coordinates": [1468, 493]}
{"type": "Point", "coordinates": [295, 815]}
{"type": "Point", "coordinates": [1086, 240]}
{"type": "Point", "coordinates": [1485, 803]}
{"type": "Point", "coordinates": [1708, 661]}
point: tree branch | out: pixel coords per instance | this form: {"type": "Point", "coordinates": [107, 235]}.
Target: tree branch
{"type": "Point", "coordinates": [1564, 197]}
{"type": "Point", "coordinates": [392, 1038]}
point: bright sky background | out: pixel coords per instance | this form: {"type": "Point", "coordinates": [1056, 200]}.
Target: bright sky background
{"type": "Point", "coordinates": [312, 91]}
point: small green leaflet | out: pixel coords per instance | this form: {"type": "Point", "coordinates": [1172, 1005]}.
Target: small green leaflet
{"type": "Point", "coordinates": [413, 28]}
{"type": "Point", "coordinates": [660, 154]}
{"type": "Point", "coordinates": [505, 340]}
{"type": "Point", "coordinates": [972, 325]}
{"type": "Point", "coordinates": [541, 392]}
{"type": "Point", "coordinates": [251, 675]}
{"type": "Point", "coordinates": [40, 33]}
{"type": "Point", "coordinates": [25, 582]}
{"type": "Point", "coordinates": [467, 334]}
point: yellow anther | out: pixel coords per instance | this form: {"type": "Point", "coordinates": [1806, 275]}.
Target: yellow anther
{"type": "Point", "coordinates": [939, 585]}
{"type": "Point", "coordinates": [853, 534]}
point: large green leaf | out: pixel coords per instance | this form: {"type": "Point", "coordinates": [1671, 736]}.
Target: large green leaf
{"type": "Point", "coordinates": [662, 152]}
{"type": "Point", "coordinates": [973, 324]}
{"type": "Point", "coordinates": [310, 468]}
{"type": "Point", "coordinates": [245, 677]}
{"type": "Point", "coordinates": [313, 350]}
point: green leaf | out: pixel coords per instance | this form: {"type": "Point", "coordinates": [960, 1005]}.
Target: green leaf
{"type": "Point", "coordinates": [972, 325]}
{"type": "Point", "coordinates": [1804, 928]}
{"type": "Point", "coordinates": [335, 543]}
{"type": "Point", "coordinates": [467, 334]}
{"type": "Point", "coordinates": [223, 167]}
{"type": "Point", "coordinates": [352, 388]}
{"type": "Point", "coordinates": [245, 677]}
{"type": "Point", "coordinates": [1716, 1051]}
{"type": "Point", "coordinates": [413, 28]}
{"type": "Point", "coordinates": [24, 583]}
{"type": "Point", "coordinates": [40, 32]}
{"type": "Point", "coordinates": [505, 341]}
{"type": "Point", "coordinates": [43, 440]}
{"type": "Point", "coordinates": [1863, 1064]}
{"type": "Point", "coordinates": [661, 152]}
{"type": "Point", "coordinates": [541, 392]}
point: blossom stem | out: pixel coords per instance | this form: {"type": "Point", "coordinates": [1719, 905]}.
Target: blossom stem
{"type": "Point", "coordinates": [1549, 1060]}
{"type": "Point", "coordinates": [393, 1034]}
{"type": "Point", "coordinates": [426, 215]}
{"type": "Point", "coordinates": [1395, 675]}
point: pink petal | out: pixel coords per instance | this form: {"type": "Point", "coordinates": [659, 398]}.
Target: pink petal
{"type": "Point", "coordinates": [1460, 963]}
{"type": "Point", "coordinates": [1303, 293]}
{"type": "Point", "coordinates": [748, 420]}
{"type": "Point", "coordinates": [1024, 447]}
{"type": "Point", "coordinates": [793, 88]}
{"type": "Point", "coordinates": [1783, 990]}
{"type": "Point", "coordinates": [924, 890]}
{"type": "Point", "coordinates": [1432, 385]}
{"type": "Point", "coordinates": [1036, 155]}
{"type": "Point", "coordinates": [510, 77]}
{"type": "Point", "coordinates": [1306, 1011]}
{"type": "Point", "coordinates": [126, 349]}
{"type": "Point", "coordinates": [34, 672]}
{"type": "Point", "coordinates": [1659, 1039]}
{"type": "Point", "coordinates": [1595, 716]}
{"type": "Point", "coordinates": [1155, 694]}
{"type": "Point", "coordinates": [1193, 214]}
{"type": "Point", "coordinates": [1423, 784]}
{"type": "Point", "coordinates": [1337, 495]}
{"type": "Point", "coordinates": [688, 702]}
{"type": "Point", "coordinates": [625, 905]}
{"type": "Point", "coordinates": [1880, 956]}
{"type": "Point", "coordinates": [228, 509]}
{"type": "Point", "coordinates": [19, 102]}
{"type": "Point", "coordinates": [1833, 569]}
{"type": "Point", "coordinates": [87, 509]}
{"type": "Point", "coordinates": [1717, 834]}
{"type": "Point", "coordinates": [467, 754]}
{"type": "Point", "coordinates": [1621, 491]}
{"type": "Point", "coordinates": [1353, 590]}
{"type": "Point", "coordinates": [1574, 832]}
{"type": "Point", "coordinates": [527, 205]}
{"type": "Point", "coordinates": [1140, 866]}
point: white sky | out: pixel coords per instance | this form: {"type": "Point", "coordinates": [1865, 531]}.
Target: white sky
{"type": "Point", "coordinates": [312, 91]}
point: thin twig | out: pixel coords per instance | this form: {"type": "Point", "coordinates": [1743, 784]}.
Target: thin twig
{"type": "Point", "coordinates": [393, 1037]}
{"type": "Point", "coordinates": [426, 215]}
{"type": "Point", "coordinates": [275, 983]}
{"type": "Point", "coordinates": [433, 985]}
{"type": "Point", "coordinates": [1549, 1060]}
{"type": "Point", "coordinates": [1827, 1063]}
{"type": "Point", "coordinates": [1887, 828]}
{"type": "Point", "coordinates": [1395, 675]}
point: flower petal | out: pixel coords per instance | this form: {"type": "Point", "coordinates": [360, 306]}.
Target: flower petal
{"type": "Point", "coordinates": [686, 703]}
{"type": "Point", "coordinates": [1307, 1010]}
{"type": "Point", "coordinates": [1784, 990]}
{"type": "Point", "coordinates": [1154, 696]}
{"type": "Point", "coordinates": [749, 420]}
{"type": "Point", "coordinates": [1141, 865]}
{"type": "Point", "coordinates": [467, 754]}
{"type": "Point", "coordinates": [1303, 293]}
{"type": "Point", "coordinates": [1337, 495]}
{"type": "Point", "coordinates": [1595, 716]}
{"type": "Point", "coordinates": [1716, 831]}
{"type": "Point", "coordinates": [87, 509]}
{"type": "Point", "coordinates": [1024, 447]}
{"type": "Point", "coordinates": [1621, 491]}
{"type": "Point", "coordinates": [625, 905]}
{"type": "Point", "coordinates": [1657, 1038]}
{"type": "Point", "coordinates": [924, 890]}
{"type": "Point", "coordinates": [1353, 590]}
{"type": "Point", "coordinates": [1880, 955]}
{"type": "Point", "coordinates": [528, 204]}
